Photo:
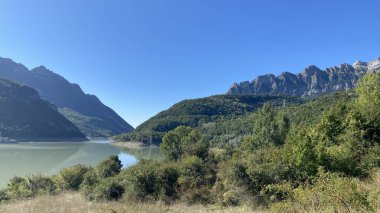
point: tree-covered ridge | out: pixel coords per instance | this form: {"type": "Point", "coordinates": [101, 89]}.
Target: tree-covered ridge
{"type": "Point", "coordinates": [198, 112]}
{"type": "Point", "coordinates": [232, 126]}
{"type": "Point", "coordinates": [25, 117]}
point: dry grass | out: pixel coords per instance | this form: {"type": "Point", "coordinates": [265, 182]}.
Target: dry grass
{"type": "Point", "coordinates": [73, 202]}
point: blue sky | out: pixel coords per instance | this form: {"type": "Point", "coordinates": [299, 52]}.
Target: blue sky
{"type": "Point", "coordinates": [141, 56]}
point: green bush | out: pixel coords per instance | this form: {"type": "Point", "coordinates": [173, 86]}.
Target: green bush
{"type": "Point", "coordinates": [328, 193]}
{"type": "Point", "coordinates": [109, 167]}
{"type": "Point", "coordinates": [3, 195]}
{"type": "Point", "coordinates": [19, 187]}
{"type": "Point", "coordinates": [90, 181]}
{"type": "Point", "coordinates": [70, 178]}
{"type": "Point", "coordinates": [141, 181]}
{"type": "Point", "coordinates": [95, 188]}
{"type": "Point", "coordinates": [41, 185]}
{"type": "Point", "coordinates": [196, 179]}
{"type": "Point", "coordinates": [108, 189]}
{"type": "Point", "coordinates": [167, 180]}
{"type": "Point", "coordinates": [257, 169]}
{"type": "Point", "coordinates": [192, 172]}
{"type": "Point", "coordinates": [300, 152]}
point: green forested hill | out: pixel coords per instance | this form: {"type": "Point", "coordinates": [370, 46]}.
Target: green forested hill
{"type": "Point", "coordinates": [227, 118]}
{"type": "Point", "coordinates": [199, 112]}
{"type": "Point", "coordinates": [305, 112]}
{"type": "Point", "coordinates": [25, 117]}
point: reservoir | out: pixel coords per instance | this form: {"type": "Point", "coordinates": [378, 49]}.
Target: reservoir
{"type": "Point", "coordinates": [22, 159]}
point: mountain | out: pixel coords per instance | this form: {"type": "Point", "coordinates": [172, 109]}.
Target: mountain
{"type": "Point", "coordinates": [199, 112]}
{"type": "Point", "coordinates": [25, 117]}
{"type": "Point", "coordinates": [87, 112]}
{"type": "Point", "coordinates": [311, 81]}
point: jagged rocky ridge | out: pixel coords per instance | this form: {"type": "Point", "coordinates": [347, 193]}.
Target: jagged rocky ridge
{"type": "Point", "coordinates": [25, 117]}
{"type": "Point", "coordinates": [311, 81]}
{"type": "Point", "coordinates": [87, 112]}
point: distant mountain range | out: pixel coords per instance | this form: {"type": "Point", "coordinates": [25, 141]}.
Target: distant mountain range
{"type": "Point", "coordinates": [85, 111]}
{"type": "Point", "coordinates": [25, 117]}
{"type": "Point", "coordinates": [311, 81]}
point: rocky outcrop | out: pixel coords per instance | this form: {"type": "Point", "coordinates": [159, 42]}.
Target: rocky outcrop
{"type": "Point", "coordinates": [91, 115]}
{"type": "Point", "coordinates": [311, 81]}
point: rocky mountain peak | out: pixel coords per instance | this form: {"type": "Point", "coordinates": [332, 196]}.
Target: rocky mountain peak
{"type": "Point", "coordinates": [311, 81]}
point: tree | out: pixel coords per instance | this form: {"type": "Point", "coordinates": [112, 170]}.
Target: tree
{"type": "Point", "coordinates": [300, 150]}
{"type": "Point", "coordinates": [368, 105]}
{"type": "Point", "coordinates": [183, 141]}
{"type": "Point", "coordinates": [269, 128]}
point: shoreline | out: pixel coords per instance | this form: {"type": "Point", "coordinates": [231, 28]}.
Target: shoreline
{"type": "Point", "coordinates": [130, 144]}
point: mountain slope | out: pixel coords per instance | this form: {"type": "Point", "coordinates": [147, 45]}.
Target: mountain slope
{"type": "Point", "coordinates": [311, 81]}
{"type": "Point", "coordinates": [197, 112]}
{"type": "Point", "coordinates": [25, 117]}
{"type": "Point", "coordinates": [64, 94]}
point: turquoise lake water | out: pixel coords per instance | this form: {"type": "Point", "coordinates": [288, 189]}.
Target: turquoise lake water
{"type": "Point", "coordinates": [44, 158]}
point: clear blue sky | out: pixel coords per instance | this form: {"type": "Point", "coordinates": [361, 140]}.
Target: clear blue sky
{"type": "Point", "coordinates": [140, 57]}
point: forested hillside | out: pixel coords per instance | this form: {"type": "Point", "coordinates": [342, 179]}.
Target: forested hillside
{"type": "Point", "coordinates": [25, 117]}
{"type": "Point", "coordinates": [199, 112]}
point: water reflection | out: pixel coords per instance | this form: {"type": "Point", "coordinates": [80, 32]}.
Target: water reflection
{"type": "Point", "coordinates": [48, 158]}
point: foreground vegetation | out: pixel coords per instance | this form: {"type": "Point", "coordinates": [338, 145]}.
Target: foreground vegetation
{"type": "Point", "coordinates": [321, 160]}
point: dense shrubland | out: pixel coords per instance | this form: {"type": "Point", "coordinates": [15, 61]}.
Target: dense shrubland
{"type": "Point", "coordinates": [282, 163]}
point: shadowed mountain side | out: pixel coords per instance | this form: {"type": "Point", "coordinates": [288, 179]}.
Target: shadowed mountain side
{"type": "Point", "coordinates": [25, 117]}
{"type": "Point", "coordinates": [64, 94]}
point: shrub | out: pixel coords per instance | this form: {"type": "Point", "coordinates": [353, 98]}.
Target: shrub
{"type": "Point", "coordinates": [192, 172]}
{"type": "Point", "coordinates": [300, 152]}
{"type": "Point", "coordinates": [41, 185]}
{"type": "Point", "coordinates": [195, 180]}
{"type": "Point", "coordinates": [19, 187]}
{"type": "Point", "coordinates": [167, 180]}
{"type": "Point", "coordinates": [257, 169]}
{"type": "Point", "coordinates": [90, 180]}
{"type": "Point", "coordinates": [141, 180]}
{"type": "Point", "coordinates": [231, 198]}
{"type": "Point", "coordinates": [3, 195]}
{"type": "Point", "coordinates": [71, 177]}
{"type": "Point", "coordinates": [108, 189]}
{"type": "Point", "coordinates": [329, 193]}
{"type": "Point", "coordinates": [109, 167]}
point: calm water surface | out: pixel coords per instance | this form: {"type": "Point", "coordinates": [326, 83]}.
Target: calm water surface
{"type": "Point", "coordinates": [48, 158]}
